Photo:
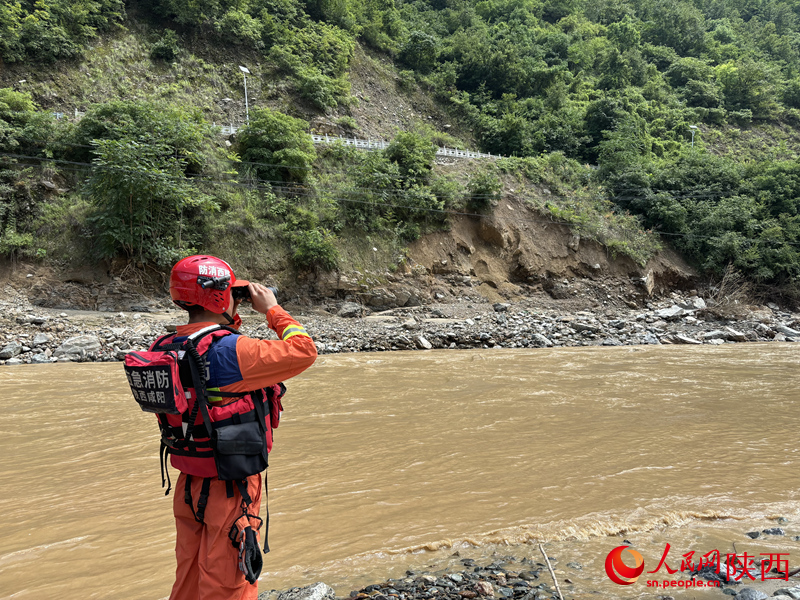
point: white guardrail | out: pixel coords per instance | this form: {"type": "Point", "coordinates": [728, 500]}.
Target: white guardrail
{"type": "Point", "coordinates": [374, 144]}
{"type": "Point", "coordinates": [358, 143]}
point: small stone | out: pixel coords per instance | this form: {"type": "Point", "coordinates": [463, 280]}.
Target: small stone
{"type": "Point", "coordinates": [40, 359]}
{"type": "Point", "coordinates": [469, 594]}
{"type": "Point", "coordinates": [611, 342]}
{"type": "Point", "coordinates": [774, 531]}
{"type": "Point", "coordinates": [484, 588]}
{"type": "Point", "coordinates": [500, 307]}
{"type": "Point", "coordinates": [752, 534]}
{"type": "Point", "coordinates": [456, 577]}
{"type": "Point", "coordinates": [13, 361]}
{"type": "Point", "coordinates": [682, 339]}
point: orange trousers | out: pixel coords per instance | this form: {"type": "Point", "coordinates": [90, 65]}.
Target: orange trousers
{"type": "Point", "coordinates": [208, 564]}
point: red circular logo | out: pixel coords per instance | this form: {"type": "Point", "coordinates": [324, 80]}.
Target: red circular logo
{"type": "Point", "coordinates": [618, 571]}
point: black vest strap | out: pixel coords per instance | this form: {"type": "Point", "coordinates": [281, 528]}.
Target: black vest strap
{"type": "Point", "coordinates": [202, 501]}
{"type": "Point", "coordinates": [163, 457]}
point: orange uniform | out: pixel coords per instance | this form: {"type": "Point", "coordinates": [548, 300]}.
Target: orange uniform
{"type": "Point", "coordinates": [207, 561]}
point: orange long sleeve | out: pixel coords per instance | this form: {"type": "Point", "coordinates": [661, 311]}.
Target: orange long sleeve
{"type": "Point", "coordinates": [266, 362]}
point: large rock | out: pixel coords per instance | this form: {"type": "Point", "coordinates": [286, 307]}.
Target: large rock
{"type": "Point", "coordinates": [673, 312]}
{"type": "Point", "coordinates": [381, 298]}
{"type": "Point", "coordinates": [793, 592]}
{"type": "Point", "coordinates": [40, 338]}
{"type": "Point", "coordinates": [77, 348]}
{"type": "Point", "coordinates": [751, 594]}
{"type": "Point", "coordinates": [684, 339]}
{"type": "Point", "coordinates": [541, 340]}
{"type": "Point", "coordinates": [10, 350]}
{"type": "Point", "coordinates": [735, 336]}
{"type": "Point", "coordinates": [693, 303]}
{"type": "Point", "coordinates": [317, 591]}
{"type": "Point", "coordinates": [350, 310]}
{"type": "Point", "coordinates": [423, 343]}
{"type": "Point", "coordinates": [786, 330]}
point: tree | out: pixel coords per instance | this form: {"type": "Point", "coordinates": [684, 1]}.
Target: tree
{"type": "Point", "coordinates": [420, 51]}
{"type": "Point", "coordinates": [143, 201]}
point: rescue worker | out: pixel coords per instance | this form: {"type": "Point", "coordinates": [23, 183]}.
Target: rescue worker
{"type": "Point", "coordinates": [208, 563]}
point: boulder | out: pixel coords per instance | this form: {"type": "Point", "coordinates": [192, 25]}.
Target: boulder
{"type": "Point", "coordinates": [41, 358]}
{"type": "Point", "coordinates": [10, 350]}
{"type": "Point", "coordinates": [77, 348]}
{"type": "Point", "coordinates": [381, 298]}
{"type": "Point", "coordinates": [541, 341]}
{"type": "Point", "coordinates": [683, 339]}
{"type": "Point", "coordinates": [350, 310]}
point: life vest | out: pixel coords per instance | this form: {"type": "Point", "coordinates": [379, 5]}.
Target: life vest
{"type": "Point", "coordinates": [204, 431]}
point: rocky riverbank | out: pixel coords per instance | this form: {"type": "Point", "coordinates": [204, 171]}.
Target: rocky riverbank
{"type": "Point", "coordinates": [40, 335]}
{"type": "Point", "coordinates": [510, 578]}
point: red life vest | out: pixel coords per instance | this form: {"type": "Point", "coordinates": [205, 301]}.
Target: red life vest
{"type": "Point", "coordinates": [229, 415]}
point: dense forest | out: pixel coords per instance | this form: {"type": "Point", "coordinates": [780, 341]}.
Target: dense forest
{"type": "Point", "coordinates": [639, 115]}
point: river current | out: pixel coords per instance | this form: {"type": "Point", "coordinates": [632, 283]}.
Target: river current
{"type": "Point", "coordinates": [390, 461]}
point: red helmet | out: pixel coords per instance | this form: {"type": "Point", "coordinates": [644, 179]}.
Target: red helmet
{"type": "Point", "coordinates": [204, 281]}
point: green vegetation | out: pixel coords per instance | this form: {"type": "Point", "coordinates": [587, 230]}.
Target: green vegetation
{"type": "Point", "coordinates": [554, 85]}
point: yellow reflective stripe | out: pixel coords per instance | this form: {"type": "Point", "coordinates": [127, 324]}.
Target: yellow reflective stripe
{"type": "Point", "coordinates": [213, 398]}
{"type": "Point", "coordinates": [294, 333]}
{"type": "Point", "coordinates": [293, 330]}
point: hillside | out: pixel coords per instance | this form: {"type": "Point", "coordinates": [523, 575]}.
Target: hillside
{"type": "Point", "coordinates": [630, 128]}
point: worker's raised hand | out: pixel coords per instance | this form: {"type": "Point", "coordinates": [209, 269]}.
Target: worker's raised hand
{"type": "Point", "coordinates": [262, 298]}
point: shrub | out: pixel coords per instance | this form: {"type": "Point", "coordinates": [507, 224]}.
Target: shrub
{"type": "Point", "coordinates": [166, 48]}
{"type": "Point", "coordinates": [484, 188]}
{"type": "Point", "coordinates": [277, 145]}
{"type": "Point", "coordinates": [314, 249]}
{"type": "Point", "coordinates": [413, 154]}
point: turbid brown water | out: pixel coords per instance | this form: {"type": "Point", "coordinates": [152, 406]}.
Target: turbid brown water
{"type": "Point", "coordinates": [385, 462]}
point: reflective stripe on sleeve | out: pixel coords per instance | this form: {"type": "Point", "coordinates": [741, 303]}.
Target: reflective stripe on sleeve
{"type": "Point", "coordinates": [293, 330]}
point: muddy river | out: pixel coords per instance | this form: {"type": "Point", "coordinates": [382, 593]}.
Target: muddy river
{"type": "Point", "coordinates": [385, 462]}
